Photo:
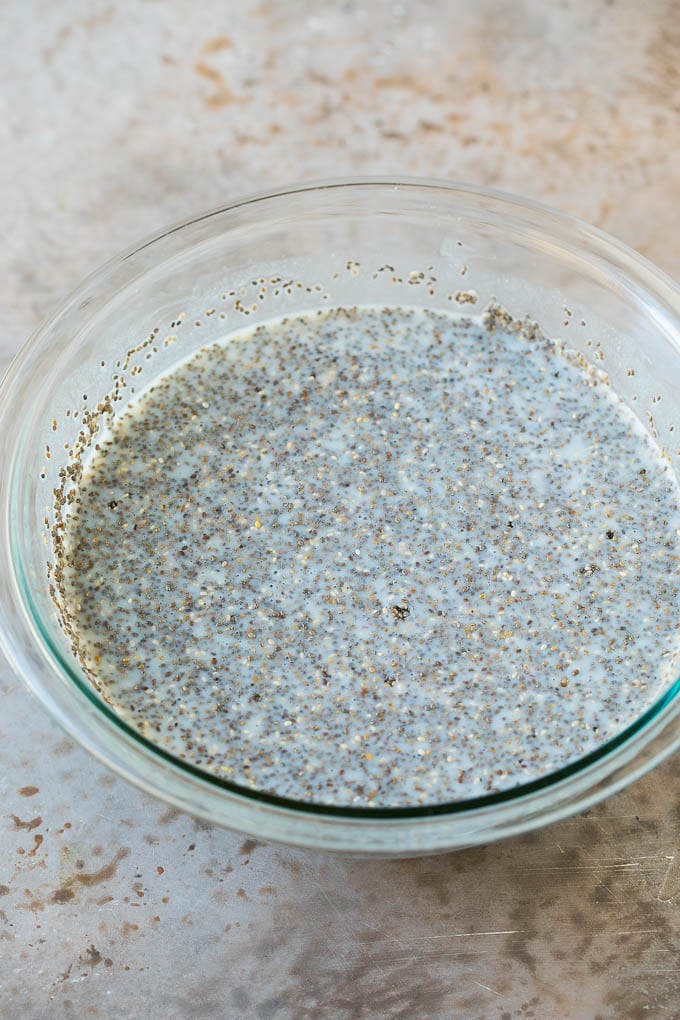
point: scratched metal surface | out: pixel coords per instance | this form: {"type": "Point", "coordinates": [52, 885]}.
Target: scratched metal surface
{"type": "Point", "coordinates": [112, 125]}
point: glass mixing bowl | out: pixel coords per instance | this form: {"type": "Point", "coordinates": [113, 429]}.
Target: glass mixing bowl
{"type": "Point", "coordinates": [374, 241]}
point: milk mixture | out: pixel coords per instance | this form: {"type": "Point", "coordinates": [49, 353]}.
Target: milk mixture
{"type": "Point", "coordinates": [377, 557]}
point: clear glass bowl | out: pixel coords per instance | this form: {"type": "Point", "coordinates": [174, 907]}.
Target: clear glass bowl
{"type": "Point", "coordinates": [375, 241]}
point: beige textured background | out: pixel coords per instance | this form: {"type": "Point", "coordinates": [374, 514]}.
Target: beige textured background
{"type": "Point", "coordinates": [117, 118]}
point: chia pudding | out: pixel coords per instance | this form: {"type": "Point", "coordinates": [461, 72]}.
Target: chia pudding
{"type": "Point", "coordinates": [376, 556]}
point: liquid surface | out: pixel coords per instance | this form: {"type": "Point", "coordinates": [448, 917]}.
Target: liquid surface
{"type": "Point", "coordinates": [377, 556]}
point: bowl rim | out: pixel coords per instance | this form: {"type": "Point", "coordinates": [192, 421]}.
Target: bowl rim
{"type": "Point", "coordinates": [594, 766]}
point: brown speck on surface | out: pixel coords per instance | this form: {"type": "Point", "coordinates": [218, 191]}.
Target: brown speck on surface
{"type": "Point", "coordinates": [28, 791]}
{"type": "Point", "coordinates": [221, 95]}
{"type": "Point", "coordinates": [29, 825]}
{"type": "Point", "coordinates": [4, 890]}
{"type": "Point", "coordinates": [66, 891]}
{"type": "Point", "coordinates": [37, 843]}
{"type": "Point", "coordinates": [92, 956]}
{"type": "Point", "coordinates": [219, 42]}
{"type": "Point", "coordinates": [63, 748]}
{"type": "Point", "coordinates": [62, 895]}
{"type": "Point", "coordinates": [102, 874]}
{"type": "Point", "coordinates": [247, 846]}
{"type": "Point", "coordinates": [171, 815]}
{"type": "Point", "coordinates": [292, 865]}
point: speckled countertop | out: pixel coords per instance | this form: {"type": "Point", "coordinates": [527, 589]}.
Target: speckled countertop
{"type": "Point", "coordinates": [118, 118]}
